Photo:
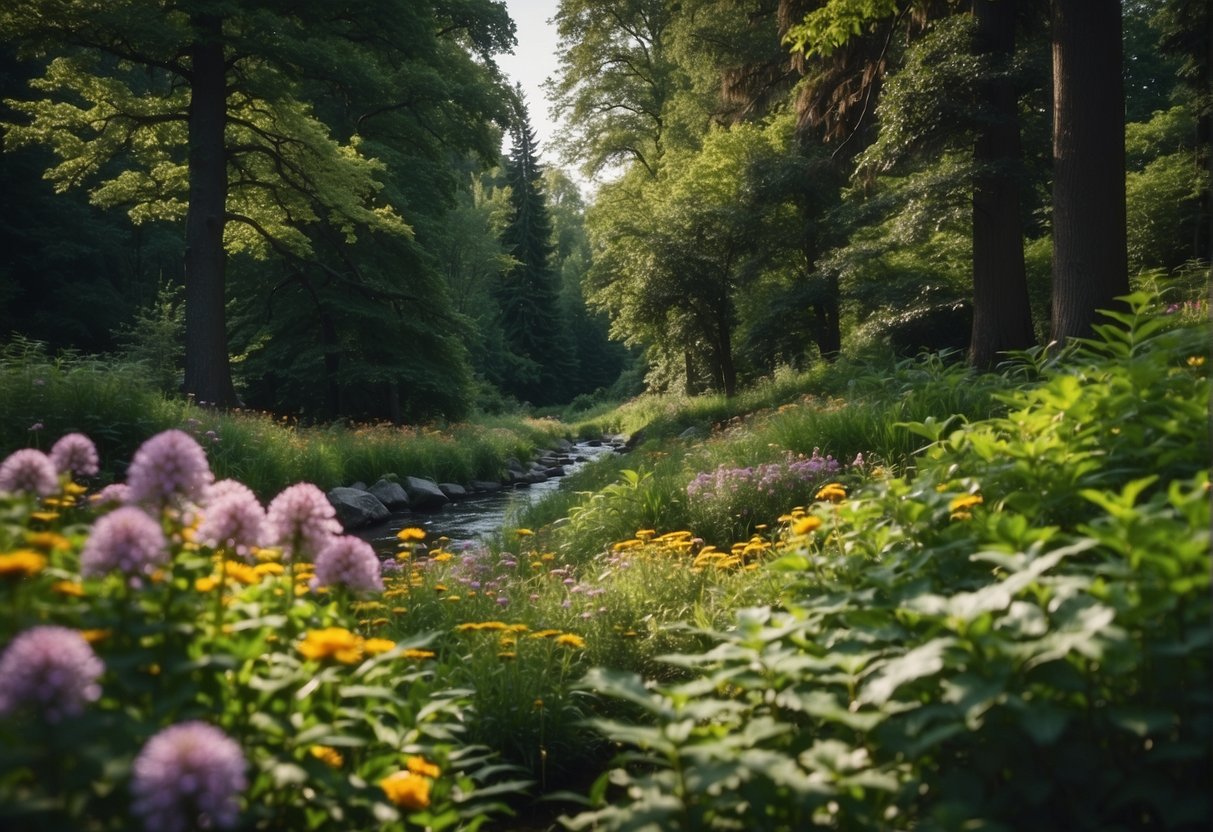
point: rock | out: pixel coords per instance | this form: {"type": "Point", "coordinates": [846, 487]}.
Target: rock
{"type": "Point", "coordinates": [452, 490]}
{"type": "Point", "coordinates": [513, 464]}
{"type": "Point", "coordinates": [484, 486]}
{"type": "Point", "coordinates": [535, 476]}
{"type": "Point", "coordinates": [424, 494]}
{"type": "Point", "coordinates": [554, 471]}
{"type": "Point", "coordinates": [564, 446]}
{"type": "Point", "coordinates": [390, 494]}
{"type": "Point", "coordinates": [356, 508]}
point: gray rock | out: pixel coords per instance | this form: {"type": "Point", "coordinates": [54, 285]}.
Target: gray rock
{"type": "Point", "coordinates": [424, 494]}
{"type": "Point", "coordinates": [513, 464]}
{"type": "Point", "coordinates": [390, 494]}
{"type": "Point", "coordinates": [452, 490]}
{"type": "Point", "coordinates": [554, 471]}
{"type": "Point", "coordinates": [356, 508]}
{"type": "Point", "coordinates": [564, 445]}
{"type": "Point", "coordinates": [484, 486]}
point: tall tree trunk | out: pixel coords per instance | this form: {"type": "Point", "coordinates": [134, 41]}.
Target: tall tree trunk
{"type": "Point", "coordinates": [828, 329]}
{"type": "Point", "coordinates": [208, 375]}
{"type": "Point", "coordinates": [726, 369]}
{"type": "Point", "coordinates": [1090, 254]}
{"type": "Point", "coordinates": [1002, 314]}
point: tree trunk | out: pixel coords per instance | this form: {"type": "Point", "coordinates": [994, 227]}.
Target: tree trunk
{"type": "Point", "coordinates": [1002, 314]}
{"type": "Point", "coordinates": [207, 372]}
{"type": "Point", "coordinates": [726, 369]}
{"type": "Point", "coordinates": [828, 329]}
{"type": "Point", "coordinates": [1090, 256]}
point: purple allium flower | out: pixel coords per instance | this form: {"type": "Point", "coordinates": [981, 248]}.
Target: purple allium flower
{"type": "Point", "coordinates": [301, 520]}
{"type": "Point", "coordinates": [28, 470]}
{"type": "Point", "coordinates": [349, 562]}
{"type": "Point", "coordinates": [126, 540]}
{"type": "Point", "coordinates": [76, 453]}
{"type": "Point", "coordinates": [226, 488]}
{"type": "Point", "coordinates": [169, 467]}
{"type": "Point", "coordinates": [52, 669]}
{"type": "Point", "coordinates": [115, 493]}
{"type": "Point", "coordinates": [188, 776]}
{"type": "Point", "coordinates": [235, 521]}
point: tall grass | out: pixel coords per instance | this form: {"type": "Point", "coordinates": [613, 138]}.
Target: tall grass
{"type": "Point", "coordinates": [43, 397]}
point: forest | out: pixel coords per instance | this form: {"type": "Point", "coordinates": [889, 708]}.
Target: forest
{"type": "Point", "coordinates": [772, 184]}
{"type": "Point", "coordinates": [887, 321]}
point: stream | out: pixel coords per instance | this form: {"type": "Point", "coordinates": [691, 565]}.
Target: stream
{"type": "Point", "coordinates": [479, 516]}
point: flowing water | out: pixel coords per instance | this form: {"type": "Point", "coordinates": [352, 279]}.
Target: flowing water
{"type": "Point", "coordinates": [480, 516]}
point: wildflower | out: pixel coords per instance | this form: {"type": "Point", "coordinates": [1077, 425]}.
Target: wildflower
{"type": "Point", "coordinates": [94, 636]}
{"type": "Point", "coordinates": [170, 467]}
{"type": "Point", "coordinates": [126, 540]}
{"type": "Point", "coordinates": [75, 453]}
{"type": "Point", "coordinates": [70, 589]}
{"type": "Point", "coordinates": [50, 669]}
{"type": "Point", "coordinates": [965, 502]}
{"type": "Point", "coordinates": [227, 488]}
{"type": "Point", "coordinates": [331, 757]}
{"type": "Point", "coordinates": [411, 533]}
{"type": "Point", "coordinates": [188, 776]}
{"type": "Point", "coordinates": [834, 492]}
{"type": "Point", "coordinates": [49, 541]}
{"type": "Point", "coordinates": [375, 646]}
{"type": "Point", "coordinates": [422, 766]}
{"type": "Point", "coordinates": [523, 532]}
{"type": "Point", "coordinates": [1196, 361]}
{"type": "Point", "coordinates": [350, 562]}
{"type": "Point", "coordinates": [570, 640]}
{"type": "Point", "coordinates": [23, 563]}
{"type": "Point", "coordinates": [335, 643]}
{"type": "Point", "coordinates": [301, 520]}
{"type": "Point", "coordinates": [269, 568]}
{"type": "Point", "coordinates": [116, 493]}
{"type": "Point", "coordinates": [407, 790]}
{"type": "Point", "coordinates": [235, 521]}
{"type": "Point", "coordinates": [806, 524]}
{"type": "Point", "coordinates": [28, 470]}
{"type": "Point", "coordinates": [413, 653]}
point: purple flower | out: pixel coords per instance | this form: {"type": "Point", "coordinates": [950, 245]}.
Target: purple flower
{"type": "Point", "coordinates": [301, 520]}
{"type": "Point", "coordinates": [28, 470]}
{"type": "Point", "coordinates": [116, 493]}
{"type": "Point", "coordinates": [225, 488]}
{"type": "Point", "coordinates": [167, 468]}
{"type": "Point", "coordinates": [126, 540]}
{"type": "Point", "coordinates": [188, 776]}
{"type": "Point", "coordinates": [76, 453]}
{"type": "Point", "coordinates": [51, 669]}
{"type": "Point", "coordinates": [349, 562]}
{"type": "Point", "coordinates": [235, 521]}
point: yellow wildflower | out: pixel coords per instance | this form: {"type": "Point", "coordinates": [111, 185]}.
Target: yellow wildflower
{"type": "Point", "coordinates": [242, 573]}
{"type": "Point", "coordinates": [965, 502]}
{"type": "Point", "coordinates": [269, 568]}
{"type": "Point", "coordinates": [44, 516]}
{"type": "Point", "coordinates": [441, 556]}
{"type": "Point", "coordinates": [834, 492]}
{"type": "Point", "coordinates": [423, 767]}
{"type": "Point", "coordinates": [207, 584]}
{"type": "Point", "coordinates": [375, 646]}
{"type": "Point", "coordinates": [332, 643]}
{"type": "Point", "coordinates": [95, 636]}
{"type": "Point", "coordinates": [413, 653]}
{"type": "Point", "coordinates": [329, 756]}
{"type": "Point", "coordinates": [407, 790]}
{"type": "Point", "coordinates": [47, 540]}
{"type": "Point", "coordinates": [546, 633]}
{"type": "Point", "coordinates": [806, 524]}
{"type": "Point", "coordinates": [23, 563]}
{"type": "Point", "coordinates": [570, 640]}
{"type": "Point", "coordinates": [410, 534]}
{"type": "Point", "coordinates": [523, 532]}
{"type": "Point", "coordinates": [69, 588]}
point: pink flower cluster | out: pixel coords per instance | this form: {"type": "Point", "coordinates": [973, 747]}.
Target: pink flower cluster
{"type": "Point", "coordinates": [302, 521]}
{"type": "Point", "coordinates": [168, 469]}
{"type": "Point", "coordinates": [189, 776]}
{"type": "Point", "coordinates": [349, 562]}
{"type": "Point", "coordinates": [51, 670]}
{"type": "Point", "coordinates": [233, 519]}
{"type": "Point", "coordinates": [28, 470]}
{"type": "Point", "coordinates": [75, 453]}
{"type": "Point", "coordinates": [126, 540]}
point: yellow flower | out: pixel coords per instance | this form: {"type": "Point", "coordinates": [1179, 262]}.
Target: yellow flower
{"type": "Point", "coordinates": [1196, 361]}
{"type": "Point", "coordinates": [242, 573]}
{"type": "Point", "coordinates": [332, 643]}
{"type": "Point", "coordinates": [570, 640]}
{"type": "Point", "coordinates": [69, 588]}
{"type": "Point", "coordinates": [834, 492]}
{"type": "Point", "coordinates": [422, 766]}
{"type": "Point", "coordinates": [965, 502]}
{"type": "Point", "coordinates": [507, 654]}
{"type": "Point", "coordinates": [375, 646]}
{"type": "Point", "coordinates": [47, 540]}
{"type": "Point", "coordinates": [329, 756]}
{"type": "Point", "coordinates": [94, 636]}
{"type": "Point", "coordinates": [407, 790]}
{"type": "Point", "coordinates": [413, 653]}
{"type": "Point", "coordinates": [441, 557]}
{"type": "Point", "coordinates": [523, 532]}
{"type": "Point", "coordinates": [646, 534]}
{"type": "Point", "coordinates": [206, 584]}
{"type": "Point", "coordinates": [23, 563]}
{"type": "Point", "coordinates": [269, 568]}
{"type": "Point", "coordinates": [806, 524]}
{"type": "Point", "coordinates": [546, 633]}
{"type": "Point", "coordinates": [410, 534]}
{"type": "Point", "coordinates": [44, 516]}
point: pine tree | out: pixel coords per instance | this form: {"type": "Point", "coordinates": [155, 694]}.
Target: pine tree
{"type": "Point", "coordinates": [541, 358]}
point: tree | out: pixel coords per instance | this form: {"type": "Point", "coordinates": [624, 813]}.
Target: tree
{"type": "Point", "coordinates": [1090, 259]}
{"type": "Point", "coordinates": [210, 103]}
{"type": "Point", "coordinates": [1002, 314]}
{"type": "Point", "coordinates": [528, 294]}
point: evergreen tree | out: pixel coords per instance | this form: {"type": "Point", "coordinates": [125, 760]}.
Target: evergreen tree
{"type": "Point", "coordinates": [542, 361]}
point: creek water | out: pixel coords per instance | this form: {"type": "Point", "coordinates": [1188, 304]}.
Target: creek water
{"type": "Point", "coordinates": [478, 517]}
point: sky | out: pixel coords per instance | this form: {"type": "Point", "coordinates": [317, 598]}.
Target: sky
{"type": "Point", "coordinates": [534, 59]}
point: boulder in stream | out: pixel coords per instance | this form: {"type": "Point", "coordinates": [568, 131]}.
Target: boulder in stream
{"type": "Point", "coordinates": [424, 494]}
{"type": "Point", "coordinates": [391, 494]}
{"type": "Point", "coordinates": [356, 508]}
